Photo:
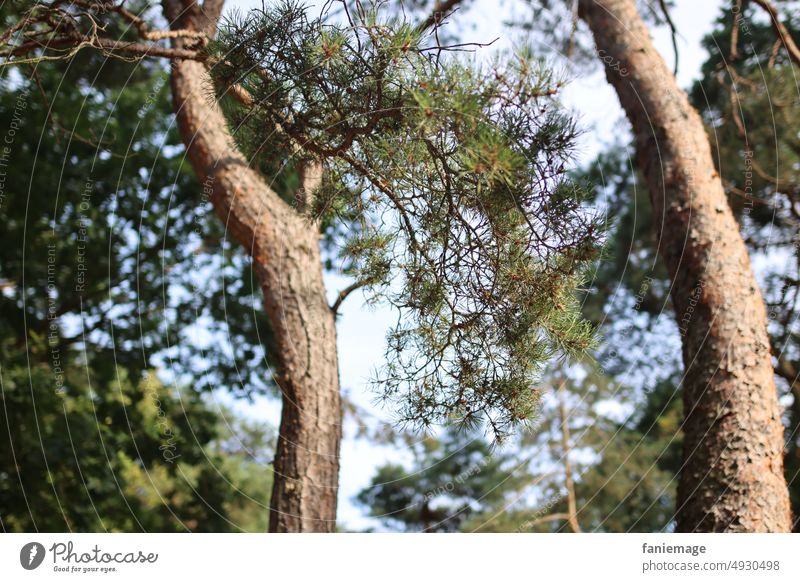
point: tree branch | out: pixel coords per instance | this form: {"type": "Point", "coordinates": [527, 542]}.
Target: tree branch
{"type": "Point", "coordinates": [780, 30]}
{"type": "Point", "coordinates": [56, 27]}
{"type": "Point", "coordinates": [673, 32]}
{"type": "Point", "coordinates": [345, 293]}
{"type": "Point", "coordinates": [547, 518]}
{"type": "Point", "coordinates": [441, 10]}
{"type": "Point", "coordinates": [73, 45]}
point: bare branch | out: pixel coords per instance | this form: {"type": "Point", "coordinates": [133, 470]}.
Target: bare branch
{"type": "Point", "coordinates": [673, 32]}
{"type": "Point", "coordinates": [109, 46]}
{"type": "Point", "coordinates": [547, 518]}
{"type": "Point", "coordinates": [59, 30]}
{"type": "Point", "coordinates": [737, 17]}
{"type": "Point", "coordinates": [441, 10]}
{"type": "Point", "coordinates": [780, 30]}
{"type": "Point", "coordinates": [345, 293]}
{"type": "Point", "coordinates": [572, 504]}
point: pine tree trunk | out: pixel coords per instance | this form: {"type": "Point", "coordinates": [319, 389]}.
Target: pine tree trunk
{"type": "Point", "coordinates": [732, 475]}
{"type": "Point", "coordinates": [284, 247]}
{"type": "Point", "coordinates": [307, 460]}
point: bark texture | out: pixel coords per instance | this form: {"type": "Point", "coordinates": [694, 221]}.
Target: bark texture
{"type": "Point", "coordinates": [285, 250]}
{"type": "Point", "coordinates": [732, 475]}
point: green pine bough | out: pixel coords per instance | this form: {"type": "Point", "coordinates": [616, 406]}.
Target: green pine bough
{"type": "Point", "coordinates": [453, 179]}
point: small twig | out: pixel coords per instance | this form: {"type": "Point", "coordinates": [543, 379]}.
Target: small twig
{"type": "Point", "coordinates": [573, 29]}
{"type": "Point", "coordinates": [773, 55]}
{"type": "Point", "coordinates": [441, 10]}
{"type": "Point", "coordinates": [344, 293]}
{"type": "Point", "coordinates": [547, 518]}
{"type": "Point", "coordinates": [37, 79]}
{"type": "Point", "coordinates": [106, 44]}
{"type": "Point", "coordinates": [572, 503]}
{"type": "Point", "coordinates": [460, 46]}
{"type": "Point", "coordinates": [242, 95]}
{"type": "Point", "coordinates": [674, 32]}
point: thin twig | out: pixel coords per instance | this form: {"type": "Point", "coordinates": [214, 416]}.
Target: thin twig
{"type": "Point", "coordinates": [674, 32]}
{"type": "Point", "coordinates": [441, 10]}
{"type": "Point", "coordinates": [344, 293]}
{"type": "Point", "coordinates": [737, 16]}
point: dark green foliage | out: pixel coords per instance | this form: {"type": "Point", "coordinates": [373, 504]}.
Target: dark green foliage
{"type": "Point", "coordinates": [749, 104]}
{"type": "Point", "coordinates": [109, 259]}
{"type": "Point", "coordinates": [453, 176]}
{"type": "Point", "coordinates": [122, 457]}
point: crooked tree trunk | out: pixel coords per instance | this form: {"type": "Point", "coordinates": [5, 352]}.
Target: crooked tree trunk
{"type": "Point", "coordinates": [285, 250]}
{"type": "Point", "coordinates": [732, 474]}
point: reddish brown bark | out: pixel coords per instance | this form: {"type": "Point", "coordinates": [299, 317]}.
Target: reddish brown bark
{"type": "Point", "coordinates": [732, 477]}
{"type": "Point", "coordinates": [286, 256]}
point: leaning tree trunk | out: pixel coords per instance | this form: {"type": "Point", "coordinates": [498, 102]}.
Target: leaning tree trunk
{"type": "Point", "coordinates": [286, 256]}
{"type": "Point", "coordinates": [732, 474]}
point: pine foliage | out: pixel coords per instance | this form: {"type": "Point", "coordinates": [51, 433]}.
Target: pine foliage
{"type": "Point", "coordinates": [455, 174]}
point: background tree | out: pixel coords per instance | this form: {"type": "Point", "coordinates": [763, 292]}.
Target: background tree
{"type": "Point", "coordinates": [621, 456]}
{"type": "Point", "coordinates": [710, 273]}
{"type": "Point", "coordinates": [679, 174]}
{"type": "Point", "coordinates": [99, 215]}
{"type": "Point", "coordinates": [452, 477]}
{"type": "Point", "coordinates": [738, 86]}
{"type": "Point", "coordinates": [732, 96]}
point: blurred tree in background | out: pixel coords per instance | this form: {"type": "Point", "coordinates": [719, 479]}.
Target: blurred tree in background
{"type": "Point", "coordinates": [109, 267]}
{"type": "Point", "coordinates": [748, 101]}
{"type": "Point", "coordinates": [452, 477]}
{"type": "Point", "coordinates": [617, 458]}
